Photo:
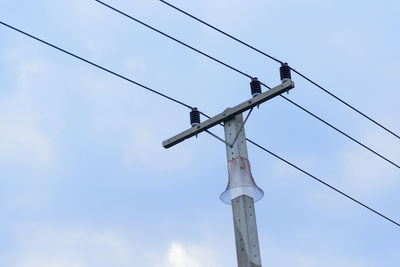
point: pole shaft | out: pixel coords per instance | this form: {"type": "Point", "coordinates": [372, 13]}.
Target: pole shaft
{"type": "Point", "coordinates": [244, 217]}
{"type": "Point", "coordinates": [246, 237]}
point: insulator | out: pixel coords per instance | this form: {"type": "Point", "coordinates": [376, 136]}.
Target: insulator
{"type": "Point", "coordinates": [255, 86]}
{"type": "Point", "coordinates": [285, 72]}
{"type": "Point", "coordinates": [194, 117]}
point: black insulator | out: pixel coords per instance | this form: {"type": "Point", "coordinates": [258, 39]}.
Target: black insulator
{"type": "Point", "coordinates": [194, 117]}
{"type": "Point", "coordinates": [285, 72]}
{"type": "Point", "coordinates": [255, 86]}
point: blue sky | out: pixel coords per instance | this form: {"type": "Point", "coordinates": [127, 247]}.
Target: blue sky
{"type": "Point", "coordinates": [86, 182]}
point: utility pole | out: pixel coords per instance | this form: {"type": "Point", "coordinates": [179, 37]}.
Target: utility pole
{"type": "Point", "coordinates": [244, 217]}
{"type": "Point", "coordinates": [241, 191]}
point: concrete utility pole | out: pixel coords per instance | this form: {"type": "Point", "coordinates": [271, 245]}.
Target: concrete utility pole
{"type": "Point", "coordinates": [241, 190]}
{"type": "Point", "coordinates": [244, 216]}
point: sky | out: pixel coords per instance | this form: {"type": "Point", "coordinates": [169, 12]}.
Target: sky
{"type": "Point", "coordinates": [86, 182]}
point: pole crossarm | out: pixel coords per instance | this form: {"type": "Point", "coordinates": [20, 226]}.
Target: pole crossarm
{"type": "Point", "coordinates": [229, 113]}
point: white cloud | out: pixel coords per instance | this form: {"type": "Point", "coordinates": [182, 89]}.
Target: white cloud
{"type": "Point", "coordinates": [361, 174]}
{"type": "Point", "coordinates": [307, 260]}
{"type": "Point", "coordinates": [304, 251]}
{"type": "Point", "coordinates": [368, 174]}
{"type": "Point", "coordinates": [227, 12]}
{"type": "Point", "coordinates": [50, 263]}
{"type": "Point", "coordinates": [55, 246]}
{"type": "Point", "coordinates": [180, 255]}
{"type": "Point", "coordinates": [392, 71]}
{"type": "Point", "coordinates": [22, 140]}
{"type": "Point", "coordinates": [86, 12]}
{"type": "Point", "coordinates": [29, 71]}
{"type": "Point", "coordinates": [73, 248]}
{"type": "Point", "coordinates": [285, 171]}
{"type": "Point", "coordinates": [144, 148]}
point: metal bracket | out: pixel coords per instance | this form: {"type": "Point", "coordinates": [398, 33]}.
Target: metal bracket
{"type": "Point", "coordinates": [217, 137]}
{"type": "Point", "coordinates": [229, 113]}
{"type": "Point", "coordinates": [241, 128]}
{"type": "Point", "coordinates": [237, 135]}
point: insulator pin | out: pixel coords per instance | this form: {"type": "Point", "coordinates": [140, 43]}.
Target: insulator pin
{"type": "Point", "coordinates": [194, 117]}
{"type": "Point", "coordinates": [255, 86]}
{"type": "Point", "coordinates": [285, 72]}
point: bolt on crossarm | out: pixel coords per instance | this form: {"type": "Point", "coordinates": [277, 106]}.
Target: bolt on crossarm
{"type": "Point", "coordinates": [242, 190]}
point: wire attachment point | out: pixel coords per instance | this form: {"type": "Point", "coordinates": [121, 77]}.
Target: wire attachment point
{"type": "Point", "coordinates": [194, 117]}
{"type": "Point", "coordinates": [255, 86]}
{"type": "Point", "coordinates": [285, 72]}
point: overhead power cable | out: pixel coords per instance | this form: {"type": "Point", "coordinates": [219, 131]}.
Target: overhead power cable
{"type": "Point", "coordinates": [173, 38]}
{"type": "Point", "coordinates": [281, 62]}
{"type": "Point", "coordinates": [221, 31]}
{"type": "Point", "coordinates": [324, 183]}
{"type": "Point", "coordinates": [315, 178]}
{"type": "Point", "coordinates": [96, 65]}
{"type": "Point", "coordinates": [247, 75]}
{"type": "Point", "coordinates": [190, 107]}
{"type": "Point", "coordinates": [343, 133]}
{"type": "Point", "coordinates": [347, 104]}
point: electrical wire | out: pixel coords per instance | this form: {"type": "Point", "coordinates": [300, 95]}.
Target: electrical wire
{"type": "Point", "coordinates": [190, 107]}
{"type": "Point", "coordinates": [343, 133]}
{"type": "Point", "coordinates": [347, 104]}
{"type": "Point", "coordinates": [174, 39]}
{"type": "Point", "coordinates": [281, 62]}
{"type": "Point", "coordinates": [221, 31]}
{"type": "Point", "coordinates": [322, 182]}
{"type": "Point", "coordinates": [312, 176]}
{"type": "Point", "coordinates": [96, 65]}
{"type": "Point", "coordinates": [249, 76]}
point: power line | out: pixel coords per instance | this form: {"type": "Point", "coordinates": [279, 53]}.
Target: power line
{"type": "Point", "coordinates": [190, 107]}
{"type": "Point", "coordinates": [317, 179]}
{"type": "Point", "coordinates": [96, 65]}
{"type": "Point", "coordinates": [324, 183]}
{"type": "Point", "coordinates": [221, 31]}
{"type": "Point", "coordinates": [174, 39]}
{"type": "Point", "coordinates": [281, 62]}
{"type": "Point", "coordinates": [249, 76]}
{"type": "Point", "coordinates": [343, 133]}
{"type": "Point", "coordinates": [347, 104]}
